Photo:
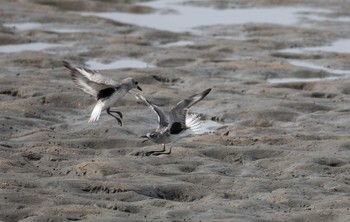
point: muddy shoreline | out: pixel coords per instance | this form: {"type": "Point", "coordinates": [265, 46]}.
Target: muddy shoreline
{"type": "Point", "coordinates": [281, 153]}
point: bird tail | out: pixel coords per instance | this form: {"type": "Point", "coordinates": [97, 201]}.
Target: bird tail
{"type": "Point", "coordinates": [96, 112]}
{"type": "Point", "coordinates": [194, 123]}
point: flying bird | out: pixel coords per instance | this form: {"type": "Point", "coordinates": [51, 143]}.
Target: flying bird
{"type": "Point", "coordinates": [177, 124]}
{"type": "Point", "coordinates": [106, 91]}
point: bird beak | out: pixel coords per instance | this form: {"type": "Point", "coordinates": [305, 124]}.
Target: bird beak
{"type": "Point", "coordinates": [145, 139]}
{"type": "Point", "coordinates": [139, 88]}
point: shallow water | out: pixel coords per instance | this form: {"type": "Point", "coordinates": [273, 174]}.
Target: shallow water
{"type": "Point", "coordinates": [35, 46]}
{"type": "Point", "coordinates": [23, 26]}
{"type": "Point", "coordinates": [290, 80]}
{"type": "Point", "coordinates": [119, 64]}
{"type": "Point", "coordinates": [331, 19]}
{"type": "Point", "coordinates": [67, 30]}
{"type": "Point", "coordinates": [179, 18]}
{"type": "Point", "coordinates": [310, 65]}
{"type": "Point", "coordinates": [178, 43]}
{"type": "Point", "coordinates": [241, 37]}
{"type": "Point", "coordinates": [339, 46]}
{"type": "Point", "coordinates": [284, 156]}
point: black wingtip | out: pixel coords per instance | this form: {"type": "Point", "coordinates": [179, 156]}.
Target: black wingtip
{"type": "Point", "coordinates": [206, 92]}
{"type": "Point", "coordinates": [67, 65]}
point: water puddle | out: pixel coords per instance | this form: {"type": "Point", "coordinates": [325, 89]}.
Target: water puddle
{"type": "Point", "coordinates": [119, 64]}
{"type": "Point", "coordinates": [309, 65]}
{"type": "Point", "coordinates": [178, 43]}
{"type": "Point", "coordinates": [342, 19]}
{"type": "Point", "coordinates": [23, 26]}
{"type": "Point", "coordinates": [36, 25]}
{"type": "Point", "coordinates": [63, 30]}
{"type": "Point", "coordinates": [237, 38]}
{"type": "Point", "coordinates": [321, 68]}
{"type": "Point", "coordinates": [290, 80]}
{"type": "Point", "coordinates": [172, 15]}
{"type": "Point", "coordinates": [339, 46]}
{"type": "Point", "coordinates": [35, 46]}
{"type": "Point", "coordinates": [327, 18]}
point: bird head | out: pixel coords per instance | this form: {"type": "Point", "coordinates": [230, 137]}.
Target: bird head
{"type": "Point", "coordinates": [153, 136]}
{"type": "Point", "coordinates": [133, 84]}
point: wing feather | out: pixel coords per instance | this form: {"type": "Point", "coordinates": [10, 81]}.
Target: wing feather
{"type": "Point", "coordinates": [179, 111]}
{"type": "Point", "coordinates": [162, 119]}
{"type": "Point", "coordinates": [95, 76]}
{"type": "Point", "coordinates": [89, 81]}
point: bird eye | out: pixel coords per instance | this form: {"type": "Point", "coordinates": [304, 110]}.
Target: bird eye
{"type": "Point", "coordinates": [136, 82]}
{"type": "Point", "coordinates": [153, 135]}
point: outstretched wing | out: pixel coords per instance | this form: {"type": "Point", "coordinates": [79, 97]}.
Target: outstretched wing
{"type": "Point", "coordinates": [162, 119]}
{"type": "Point", "coordinates": [90, 81]}
{"type": "Point", "coordinates": [177, 115]}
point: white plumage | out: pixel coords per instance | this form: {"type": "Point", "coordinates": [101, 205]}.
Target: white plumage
{"type": "Point", "coordinates": [177, 124]}
{"type": "Point", "coordinates": [96, 112]}
{"type": "Point", "coordinates": [106, 91]}
{"type": "Point", "coordinates": [194, 123]}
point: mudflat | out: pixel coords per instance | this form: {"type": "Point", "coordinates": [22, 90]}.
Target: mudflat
{"type": "Point", "coordinates": [280, 103]}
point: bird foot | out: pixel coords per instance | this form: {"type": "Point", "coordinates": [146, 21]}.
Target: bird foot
{"type": "Point", "coordinates": [120, 123]}
{"type": "Point", "coordinates": [117, 112]}
{"type": "Point", "coordinates": [158, 152]}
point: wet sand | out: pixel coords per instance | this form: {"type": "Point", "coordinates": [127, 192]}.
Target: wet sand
{"type": "Point", "coordinates": [282, 153]}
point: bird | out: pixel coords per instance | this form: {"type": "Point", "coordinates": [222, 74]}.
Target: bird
{"type": "Point", "coordinates": [176, 125]}
{"type": "Point", "coordinates": [106, 91]}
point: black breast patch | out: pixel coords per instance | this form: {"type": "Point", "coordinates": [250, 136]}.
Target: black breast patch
{"type": "Point", "coordinates": [104, 93]}
{"type": "Point", "coordinates": [176, 128]}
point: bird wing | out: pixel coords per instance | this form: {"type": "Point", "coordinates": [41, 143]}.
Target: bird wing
{"type": "Point", "coordinates": [162, 119]}
{"type": "Point", "coordinates": [95, 76]}
{"type": "Point", "coordinates": [90, 81]}
{"type": "Point", "coordinates": [177, 115]}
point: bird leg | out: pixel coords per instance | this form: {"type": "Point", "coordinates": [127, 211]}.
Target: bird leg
{"type": "Point", "coordinates": [158, 152]}
{"type": "Point", "coordinates": [117, 112]}
{"type": "Point", "coordinates": [114, 111]}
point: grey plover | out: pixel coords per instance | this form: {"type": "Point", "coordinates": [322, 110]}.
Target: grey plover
{"type": "Point", "coordinates": [177, 124]}
{"type": "Point", "coordinates": [106, 91]}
